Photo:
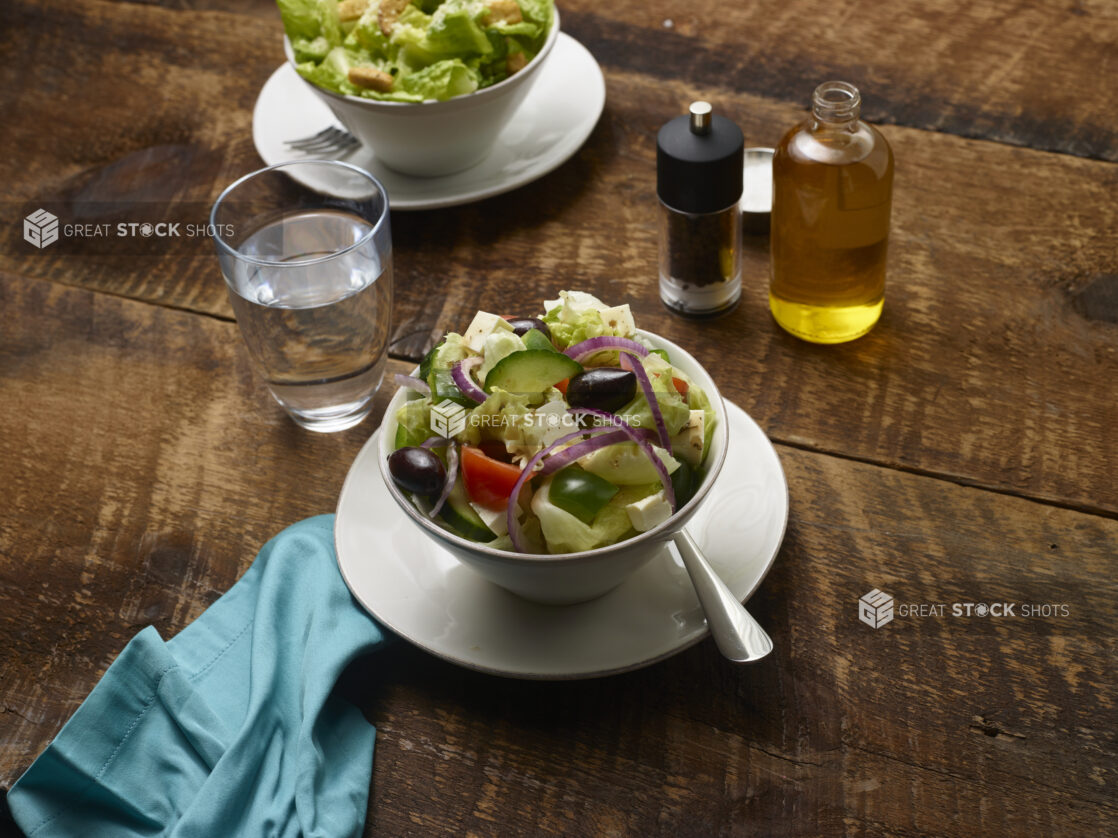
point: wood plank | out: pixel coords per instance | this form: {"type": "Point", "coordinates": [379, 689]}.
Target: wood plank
{"type": "Point", "coordinates": [935, 726]}
{"type": "Point", "coordinates": [997, 334]}
{"type": "Point", "coordinates": [924, 726]}
{"type": "Point", "coordinates": [1033, 73]}
{"type": "Point", "coordinates": [160, 147]}
{"type": "Point", "coordinates": [986, 367]}
{"type": "Point", "coordinates": [140, 464]}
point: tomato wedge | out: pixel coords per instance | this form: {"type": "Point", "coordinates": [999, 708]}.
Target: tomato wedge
{"type": "Point", "coordinates": [488, 481]}
{"type": "Point", "coordinates": [495, 450]}
{"type": "Point", "coordinates": [561, 386]}
{"type": "Point", "coordinates": [680, 386]}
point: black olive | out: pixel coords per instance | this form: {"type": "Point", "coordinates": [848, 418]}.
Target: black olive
{"type": "Point", "coordinates": [417, 470]}
{"type": "Point", "coordinates": [603, 388]}
{"type": "Point", "coordinates": [522, 325]}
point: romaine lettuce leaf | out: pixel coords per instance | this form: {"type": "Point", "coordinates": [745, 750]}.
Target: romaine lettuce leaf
{"type": "Point", "coordinates": [314, 49]}
{"type": "Point", "coordinates": [437, 49]}
{"type": "Point", "coordinates": [454, 32]}
{"type": "Point", "coordinates": [333, 72]}
{"type": "Point", "coordinates": [442, 80]}
{"type": "Point", "coordinates": [300, 19]}
{"type": "Point", "coordinates": [539, 12]}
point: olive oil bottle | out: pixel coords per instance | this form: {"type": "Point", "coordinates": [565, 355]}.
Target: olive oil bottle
{"type": "Point", "coordinates": [832, 196]}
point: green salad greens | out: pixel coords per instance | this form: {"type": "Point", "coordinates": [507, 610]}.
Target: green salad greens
{"type": "Point", "coordinates": [558, 433]}
{"type": "Point", "coordinates": [413, 50]}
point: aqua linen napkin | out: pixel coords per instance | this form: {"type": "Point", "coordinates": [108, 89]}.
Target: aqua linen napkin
{"type": "Point", "coordinates": [231, 727]}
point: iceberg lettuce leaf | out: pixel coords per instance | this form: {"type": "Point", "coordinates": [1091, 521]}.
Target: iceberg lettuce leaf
{"type": "Point", "coordinates": [565, 533]}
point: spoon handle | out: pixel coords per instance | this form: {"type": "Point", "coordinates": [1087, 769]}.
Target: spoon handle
{"type": "Point", "coordinates": [739, 637]}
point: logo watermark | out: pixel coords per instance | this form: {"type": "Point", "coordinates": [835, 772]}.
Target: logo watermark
{"type": "Point", "coordinates": [107, 228]}
{"type": "Point", "coordinates": [40, 228]}
{"type": "Point", "coordinates": [448, 418]}
{"type": "Point", "coordinates": [875, 609]}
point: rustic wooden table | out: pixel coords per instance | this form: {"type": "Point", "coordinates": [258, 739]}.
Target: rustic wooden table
{"type": "Point", "coordinates": [964, 451]}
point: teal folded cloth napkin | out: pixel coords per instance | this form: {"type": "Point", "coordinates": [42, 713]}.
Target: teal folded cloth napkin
{"type": "Point", "coordinates": [231, 727]}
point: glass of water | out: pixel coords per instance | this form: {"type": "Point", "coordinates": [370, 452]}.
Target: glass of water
{"type": "Point", "coordinates": [306, 252]}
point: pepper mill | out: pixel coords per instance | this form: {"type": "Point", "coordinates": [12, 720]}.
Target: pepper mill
{"type": "Point", "coordinates": [699, 159]}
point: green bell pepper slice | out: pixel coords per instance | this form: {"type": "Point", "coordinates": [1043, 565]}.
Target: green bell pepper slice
{"type": "Point", "coordinates": [580, 493]}
{"type": "Point", "coordinates": [443, 387]}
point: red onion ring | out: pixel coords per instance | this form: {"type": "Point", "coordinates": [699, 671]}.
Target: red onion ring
{"type": "Point", "coordinates": [588, 347]}
{"type": "Point", "coordinates": [451, 477]}
{"type": "Point", "coordinates": [515, 531]}
{"type": "Point", "coordinates": [580, 449]}
{"type": "Point", "coordinates": [461, 375]}
{"type": "Point", "coordinates": [635, 435]}
{"type": "Point", "coordinates": [628, 362]}
{"type": "Point", "coordinates": [412, 383]}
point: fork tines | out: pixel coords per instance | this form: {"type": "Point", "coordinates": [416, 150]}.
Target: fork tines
{"type": "Point", "coordinates": [328, 139]}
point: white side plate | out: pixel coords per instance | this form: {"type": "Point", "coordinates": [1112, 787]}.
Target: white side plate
{"type": "Point", "coordinates": [546, 130]}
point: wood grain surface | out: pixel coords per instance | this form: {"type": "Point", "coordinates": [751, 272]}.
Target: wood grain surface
{"type": "Point", "coordinates": [177, 522]}
{"type": "Point", "coordinates": [964, 451]}
{"type": "Point", "coordinates": [985, 277]}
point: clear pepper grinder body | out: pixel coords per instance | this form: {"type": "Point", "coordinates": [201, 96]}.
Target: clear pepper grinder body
{"type": "Point", "coordinates": [832, 199]}
{"type": "Point", "coordinates": [699, 159]}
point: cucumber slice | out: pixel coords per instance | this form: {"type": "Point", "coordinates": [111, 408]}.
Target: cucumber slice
{"type": "Point", "coordinates": [535, 339]}
{"type": "Point", "coordinates": [428, 359]}
{"type": "Point", "coordinates": [531, 371]}
{"type": "Point", "coordinates": [461, 516]}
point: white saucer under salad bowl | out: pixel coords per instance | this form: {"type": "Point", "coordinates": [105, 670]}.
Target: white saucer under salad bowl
{"type": "Point", "coordinates": [567, 578]}
{"type": "Point", "coordinates": [423, 594]}
{"type": "Point", "coordinates": [546, 130]}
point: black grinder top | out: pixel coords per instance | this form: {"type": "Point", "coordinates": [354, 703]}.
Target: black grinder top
{"type": "Point", "coordinates": [699, 161]}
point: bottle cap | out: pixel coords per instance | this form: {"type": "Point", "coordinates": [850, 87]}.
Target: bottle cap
{"type": "Point", "coordinates": [699, 161]}
{"type": "Point", "coordinates": [757, 191]}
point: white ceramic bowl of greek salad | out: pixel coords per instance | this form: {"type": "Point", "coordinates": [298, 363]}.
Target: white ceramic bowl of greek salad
{"type": "Point", "coordinates": [553, 453]}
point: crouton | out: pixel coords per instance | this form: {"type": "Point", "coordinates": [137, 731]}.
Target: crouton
{"type": "Point", "coordinates": [371, 78]}
{"type": "Point", "coordinates": [507, 11]}
{"type": "Point", "coordinates": [515, 61]}
{"type": "Point", "coordinates": [351, 9]}
{"type": "Point", "coordinates": [388, 12]}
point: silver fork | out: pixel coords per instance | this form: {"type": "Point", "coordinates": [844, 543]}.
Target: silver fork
{"type": "Point", "coordinates": [332, 140]}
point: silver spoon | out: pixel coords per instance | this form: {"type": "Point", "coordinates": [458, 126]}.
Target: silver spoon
{"type": "Point", "coordinates": [739, 637]}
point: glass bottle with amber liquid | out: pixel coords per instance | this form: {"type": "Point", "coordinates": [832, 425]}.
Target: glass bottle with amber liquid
{"type": "Point", "coordinates": [832, 196]}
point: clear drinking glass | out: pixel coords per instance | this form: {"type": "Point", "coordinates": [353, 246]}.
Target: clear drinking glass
{"type": "Point", "coordinates": [310, 279]}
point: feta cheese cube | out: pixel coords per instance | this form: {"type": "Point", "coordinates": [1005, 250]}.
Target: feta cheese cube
{"type": "Point", "coordinates": [483, 325]}
{"type": "Point", "coordinates": [688, 443]}
{"type": "Point", "coordinates": [619, 319]}
{"type": "Point", "coordinates": [649, 512]}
